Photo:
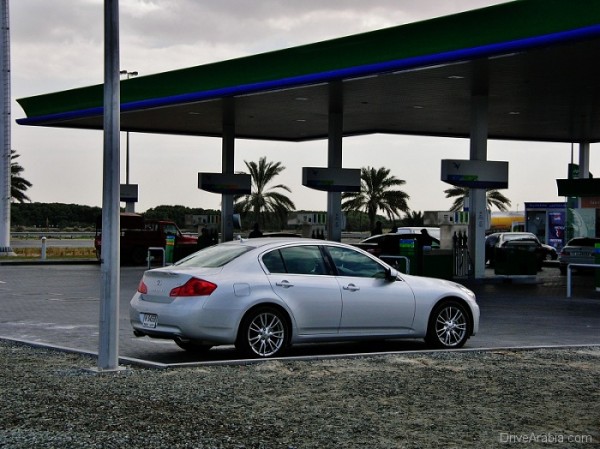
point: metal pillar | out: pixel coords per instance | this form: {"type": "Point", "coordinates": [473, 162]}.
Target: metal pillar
{"type": "Point", "coordinates": [5, 195]}
{"type": "Point", "coordinates": [584, 163]}
{"type": "Point", "coordinates": [584, 160]}
{"type": "Point", "coordinates": [129, 205]}
{"type": "Point", "coordinates": [227, 161]}
{"type": "Point", "coordinates": [477, 197]}
{"type": "Point", "coordinates": [108, 354]}
{"type": "Point", "coordinates": [334, 159]}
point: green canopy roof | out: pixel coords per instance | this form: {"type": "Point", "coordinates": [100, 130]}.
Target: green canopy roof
{"type": "Point", "coordinates": [535, 59]}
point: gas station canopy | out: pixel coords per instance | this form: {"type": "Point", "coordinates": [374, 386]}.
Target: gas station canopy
{"type": "Point", "coordinates": [535, 60]}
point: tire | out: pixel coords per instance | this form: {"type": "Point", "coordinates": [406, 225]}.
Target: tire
{"type": "Point", "coordinates": [264, 333]}
{"type": "Point", "coordinates": [449, 326]}
{"type": "Point", "coordinates": [192, 347]}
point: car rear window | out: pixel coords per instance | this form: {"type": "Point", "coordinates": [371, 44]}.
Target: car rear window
{"type": "Point", "coordinates": [515, 236]}
{"type": "Point", "coordinates": [583, 241]}
{"type": "Point", "coordinates": [213, 256]}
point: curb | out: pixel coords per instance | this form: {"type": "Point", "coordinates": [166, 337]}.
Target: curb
{"type": "Point", "coordinates": [50, 262]}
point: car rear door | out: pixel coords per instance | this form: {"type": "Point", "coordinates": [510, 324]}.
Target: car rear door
{"type": "Point", "coordinates": [300, 276]}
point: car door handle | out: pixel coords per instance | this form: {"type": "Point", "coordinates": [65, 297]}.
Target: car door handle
{"type": "Point", "coordinates": [351, 287]}
{"type": "Point", "coordinates": [284, 284]}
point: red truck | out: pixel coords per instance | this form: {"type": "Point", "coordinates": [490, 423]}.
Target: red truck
{"type": "Point", "coordinates": [139, 234]}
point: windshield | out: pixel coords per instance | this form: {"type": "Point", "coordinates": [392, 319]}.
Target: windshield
{"type": "Point", "coordinates": [213, 256]}
{"type": "Point", "coordinates": [515, 236]}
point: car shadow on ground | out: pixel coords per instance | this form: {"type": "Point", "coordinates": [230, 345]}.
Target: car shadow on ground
{"type": "Point", "coordinates": [312, 350]}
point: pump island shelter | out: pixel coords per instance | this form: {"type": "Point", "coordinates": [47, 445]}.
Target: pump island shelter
{"type": "Point", "coordinates": [522, 70]}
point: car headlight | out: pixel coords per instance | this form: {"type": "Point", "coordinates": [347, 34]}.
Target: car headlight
{"type": "Point", "coordinates": [467, 291]}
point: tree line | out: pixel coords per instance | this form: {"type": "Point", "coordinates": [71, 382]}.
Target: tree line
{"type": "Point", "coordinates": [267, 205]}
{"type": "Point", "coordinates": [76, 216]}
{"type": "Point", "coordinates": [60, 215]}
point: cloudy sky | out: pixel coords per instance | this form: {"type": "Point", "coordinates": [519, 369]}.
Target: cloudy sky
{"type": "Point", "coordinates": [58, 45]}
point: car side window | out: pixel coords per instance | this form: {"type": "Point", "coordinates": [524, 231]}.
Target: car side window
{"type": "Point", "coordinates": [296, 260]}
{"type": "Point", "coordinates": [352, 263]}
{"type": "Point", "coordinates": [274, 262]}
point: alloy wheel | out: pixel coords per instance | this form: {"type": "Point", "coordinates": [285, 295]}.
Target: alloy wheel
{"type": "Point", "coordinates": [266, 334]}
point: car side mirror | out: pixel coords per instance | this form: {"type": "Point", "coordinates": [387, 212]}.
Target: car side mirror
{"type": "Point", "coordinates": [391, 274]}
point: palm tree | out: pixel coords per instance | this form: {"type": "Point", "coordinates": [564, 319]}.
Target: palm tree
{"type": "Point", "coordinates": [493, 198]}
{"type": "Point", "coordinates": [376, 194]}
{"type": "Point", "coordinates": [263, 198]}
{"type": "Point", "coordinates": [18, 185]}
{"type": "Point", "coordinates": [414, 218]}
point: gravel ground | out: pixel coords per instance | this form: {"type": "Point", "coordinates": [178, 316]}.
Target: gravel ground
{"type": "Point", "coordinates": [502, 398]}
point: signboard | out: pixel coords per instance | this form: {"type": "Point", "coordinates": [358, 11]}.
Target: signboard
{"type": "Point", "coordinates": [331, 179]}
{"type": "Point", "coordinates": [225, 183]}
{"type": "Point", "coordinates": [475, 174]}
{"type": "Point", "coordinates": [578, 187]}
{"type": "Point", "coordinates": [129, 193]}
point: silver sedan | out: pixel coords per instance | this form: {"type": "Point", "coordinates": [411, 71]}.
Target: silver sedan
{"type": "Point", "coordinates": [264, 295]}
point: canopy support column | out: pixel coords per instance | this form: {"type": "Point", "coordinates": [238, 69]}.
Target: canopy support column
{"type": "Point", "coordinates": [227, 161]}
{"type": "Point", "coordinates": [584, 163]}
{"type": "Point", "coordinates": [5, 195]}
{"type": "Point", "coordinates": [108, 353]}
{"type": "Point", "coordinates": [334, 159]}
{"type": "Point", "coordinates": [477, 197]}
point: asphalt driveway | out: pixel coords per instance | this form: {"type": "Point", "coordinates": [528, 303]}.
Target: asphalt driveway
{"type": "Point", "coordinates": [59, 305]}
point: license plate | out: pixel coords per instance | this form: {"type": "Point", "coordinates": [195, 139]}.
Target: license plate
{"type": "Point", "coordinates": [149, 320]}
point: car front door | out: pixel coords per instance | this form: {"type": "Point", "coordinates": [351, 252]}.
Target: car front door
{"type": "Point", "coordinates": [300, 276]}
{"type": "Point", "coordinates": [371, 303]}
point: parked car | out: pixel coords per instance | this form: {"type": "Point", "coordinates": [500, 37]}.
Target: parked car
{"type": "Point", "coordinates": [502, 239]}
{"type": "Point", "coordinates": [550, 252]}
{"type": "Point", "coordinates": [577, 250]}
{"type": "Point", "coordinates": [432, 231]}
{"type": "Point", "coordinates": [281, 234]}
{"type": "Point", "coordinates": [139, 234]}
{"type": "Point", "coordinates": [389, 244]}
{"type": "Point", "coordinates": [265, 294]}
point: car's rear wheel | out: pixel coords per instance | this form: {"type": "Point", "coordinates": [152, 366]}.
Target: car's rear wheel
{"type": "Point", "coordinates": [449, 326]}
{"type": "Point", "coordinates": [263, 333]}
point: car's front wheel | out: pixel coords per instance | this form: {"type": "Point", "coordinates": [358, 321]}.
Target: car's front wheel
{"type": "Point", "coordinates": [263, 333]}
{"type": "Point", "coordinates": [449, 326]}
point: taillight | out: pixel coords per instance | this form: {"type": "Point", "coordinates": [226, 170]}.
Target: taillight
{"type": "Point", "coordinates": [194, 287]}
{"type": "Point", "coordinates": [142, 288]}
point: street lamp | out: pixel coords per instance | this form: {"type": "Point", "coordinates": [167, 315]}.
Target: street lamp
{"type": "Point", "coordinates": [129, 75]}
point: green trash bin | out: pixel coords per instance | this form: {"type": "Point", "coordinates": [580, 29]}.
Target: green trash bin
{"type": "Point", "coordinates": [516, 258]}
{"type": "Point", "coordinates": [409, 248]}
{"type": "Point", "coordinates": [437, 263]}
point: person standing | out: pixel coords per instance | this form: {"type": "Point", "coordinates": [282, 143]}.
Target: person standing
{"type": "Point", "coordinates": [377, 230]}
{"type": "Point", "coordinates": [255, 232]}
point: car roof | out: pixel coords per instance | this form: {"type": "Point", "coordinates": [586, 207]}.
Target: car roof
{"type": "Point", "coordinates": [270, 242]}
{"type": "Point", "coordinates": [393, 235]}
{"type": "Point", "coordinates": [583, 241]}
